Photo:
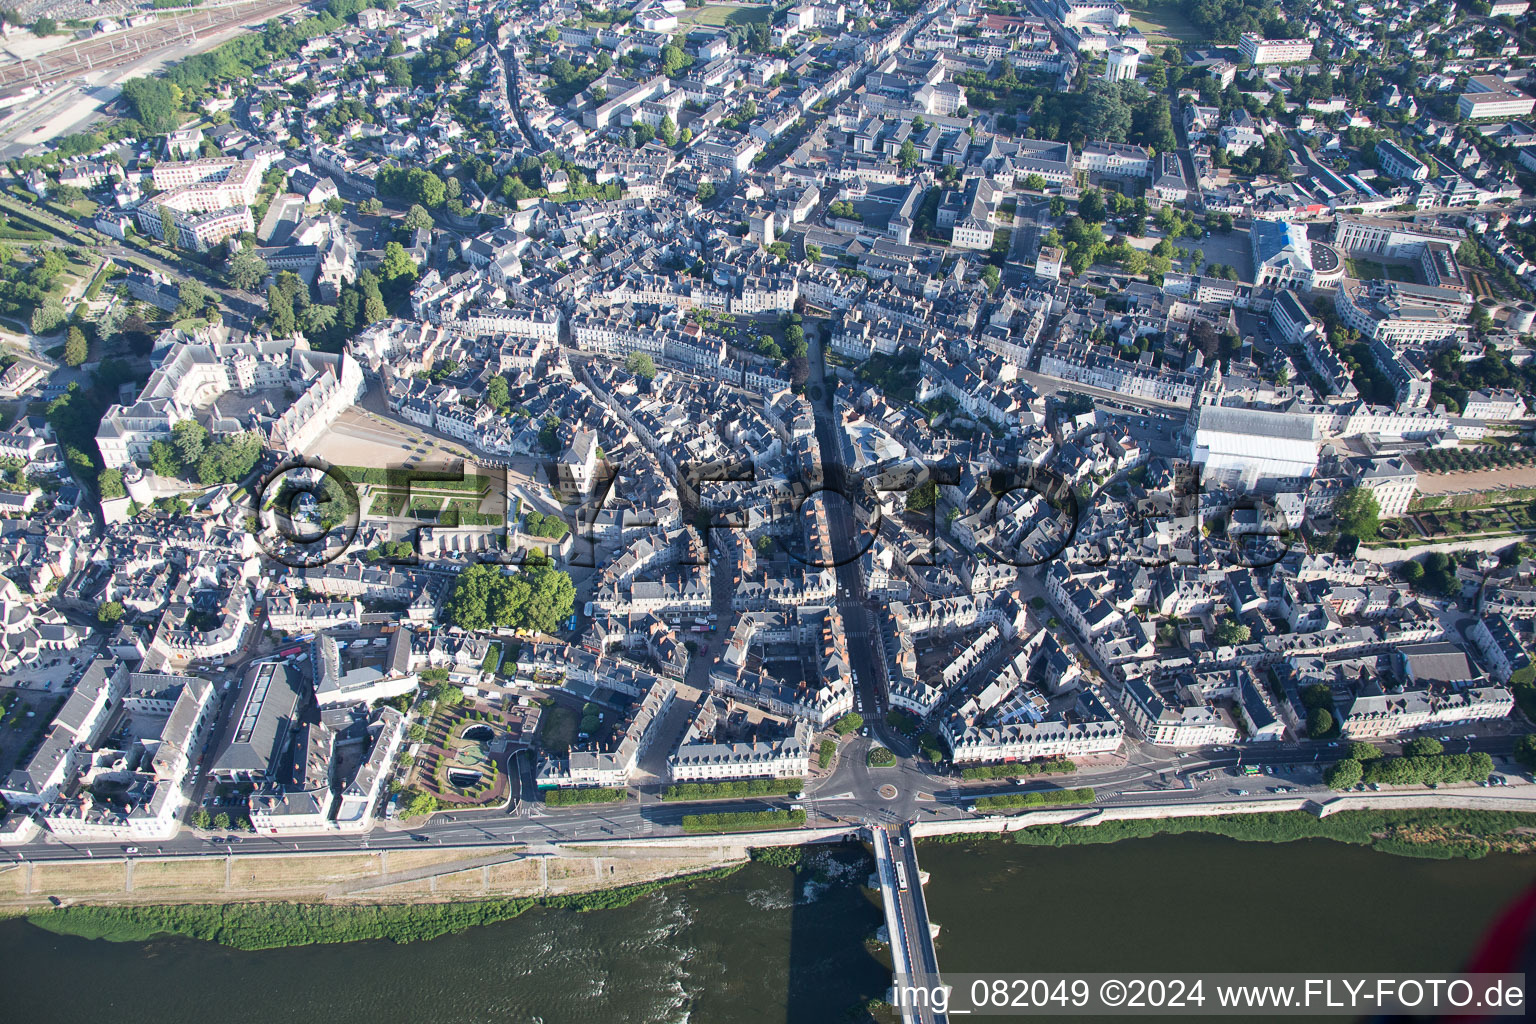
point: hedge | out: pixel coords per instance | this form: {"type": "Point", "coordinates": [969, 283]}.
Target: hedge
{"type": "Point", "coordinates": [743, 821]}
{"type": "Point", "coordinates": [589, 795]}
{"type": "Point", "coordinates": [733, 788]}
{"type": "Point", "coordinates": [1009, 771]}
{"type": "Point", "coordinates": [399, 479]}
{"type": "Point", "coordinates": [1036, 798]}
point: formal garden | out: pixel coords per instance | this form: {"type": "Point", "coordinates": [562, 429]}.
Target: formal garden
{"type": "Point", "coordinates": [458, 763]}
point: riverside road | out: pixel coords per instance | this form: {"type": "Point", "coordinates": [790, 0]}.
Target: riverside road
{"type": "Point", "coordinates": [852, 795]}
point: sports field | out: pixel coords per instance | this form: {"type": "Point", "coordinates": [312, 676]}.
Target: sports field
{"type": "Point", "coordinates": [726, 15]}
{"type": "Point", "coordinates": [1163, 21]}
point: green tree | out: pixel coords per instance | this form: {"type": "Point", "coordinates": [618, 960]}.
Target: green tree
{"type": "Point", "coordinates": [1230, 632]}
{"type": "Point", "coordinates": [1525, 750]}
{"type": "Point", "coordinates": [1091, 207]}
{"type": "Point", "coordinates": [538, 598]}
{"type": "Point", "coordinates": [813, 253]}
{"type": "Point", "coordinates": [397, 262]}
{"type": "Point", "coordinates": [1364, 752]}
{"type": "Point", "coordinates": [188, 438]}
{"type": "Point", "coordinates": [75, 348]}
{"type": "Point", "coordinates": [170, 234]}
{"type": "Point", "coordinates": [706, 191]}
{"type": "Point", "coordinates": [162, 459]}
{"type": "Point", "coordinates": [317, 318]}
{"type": "Point", "coordinates": [1320, 723]}
{"type": "Point", "coordinates": [110, 483]}
{"type": "Point", "coordinates": [922, 497]}
{"type": "Point", "coordinates": [641, 365]}
{"type": "Point", "coordinates": [417, 218]}
{"type": "Point", "coordinates": [497, 395]}
{"type": "Point", "coordinates": [155, 102]}
{"type": "Point", "coordinates": [201, 818]}
{"type": "Point", "coordinates": [48, 317]}
{"type": "Point", "coordinates": [246, 270]}
{"type": "Point", "coordinates": [1423, 746]}
{"type": "Point", "coordinates": [908, 156]}
{"type": "Point", "coordinates": [109, 612]}
{"type": "Point", "coordinates": [1358, 513]}
{"type": "Point", "coordinates": [668, 130]}
{"type": "Point", "coordinates": [374, 309]}
{"type": "Point", "coordinates": [1105, 114]}
{"type": "Point", "coordinates": [674, 60]}
{"type": "Point", "coordinates": [417, 803]}
{"type": "Point", "coordinates": [1343, 774]}
{"type": "Point", "coordinates": [221, 820]}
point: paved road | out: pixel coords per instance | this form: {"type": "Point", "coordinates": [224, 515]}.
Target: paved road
{"type": "Point", "coordinates": [237, 304]}
{"type": "Point", "coordinates": [848, 796]}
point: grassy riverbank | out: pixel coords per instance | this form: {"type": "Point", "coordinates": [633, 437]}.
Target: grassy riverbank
{"type": "Point", "coordinates": [1440, 833]}
{"type": "Point", "coordinates": [270, 925]}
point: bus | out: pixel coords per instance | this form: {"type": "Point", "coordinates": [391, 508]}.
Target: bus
{"type": "Point", "coordinates": [1251, 769]}
{"type": "Point", "coordinates": [901, 875]}
{"type": "Point", "coordinates": [289, 652]}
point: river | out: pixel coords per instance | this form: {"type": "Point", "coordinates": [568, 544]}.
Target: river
{"type": "Point", "coordinates": [766, 945]}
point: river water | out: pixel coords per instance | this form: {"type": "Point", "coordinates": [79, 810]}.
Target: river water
{"type": "Point", "coordinates": [768, 945]}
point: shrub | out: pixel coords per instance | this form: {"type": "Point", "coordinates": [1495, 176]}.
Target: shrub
{"type": "Point", "coordinates": [778, 856]}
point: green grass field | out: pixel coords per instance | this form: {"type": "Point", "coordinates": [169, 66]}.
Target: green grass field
{"type": "Point", "coordinates": [1162, 20]}
{"type": "Point", "coordinates": [725, 15]}
{"type": "Point", "coordinates": [1370, 270]}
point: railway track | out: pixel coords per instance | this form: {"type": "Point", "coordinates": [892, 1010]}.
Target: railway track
{"type": "Point", "coordinates": [133, 44]}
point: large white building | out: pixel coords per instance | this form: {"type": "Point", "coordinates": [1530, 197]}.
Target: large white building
{"type": "Point", "coordinates": [1400, 313]}
{"type": "Point", "coordinates": [1490, 96]}
{"type": "Point", "coordinates": [1394, 483]}
{"type": "Point", "coordinates": [192, 370]}
{"type": "Point", "coordinates": [1257, 50]}
{"type": "Point", "coordinates": [1171, 724]}
{"type": "Point", "coordinates": [206, 200]}
{"type": "Point", "coordinates": [1240, 447]}
{"type": "Point", "coordinates": [1394, 239]}
{"type": "Point", "coordinates": [1116, 159]}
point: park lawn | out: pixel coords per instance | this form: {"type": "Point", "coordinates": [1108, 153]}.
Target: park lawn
{"type": "Point", "coordinates": [1163, 19]}
{"type": "Point", "coordinates": [1370, 270]}
{"type": "Point", "coordinates": [723, 15]}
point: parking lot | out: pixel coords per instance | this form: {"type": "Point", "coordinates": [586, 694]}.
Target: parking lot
{"type": "Point", "coordinates": [54, 671]}
{"type": "Point", "coordinates": [26, 717]}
